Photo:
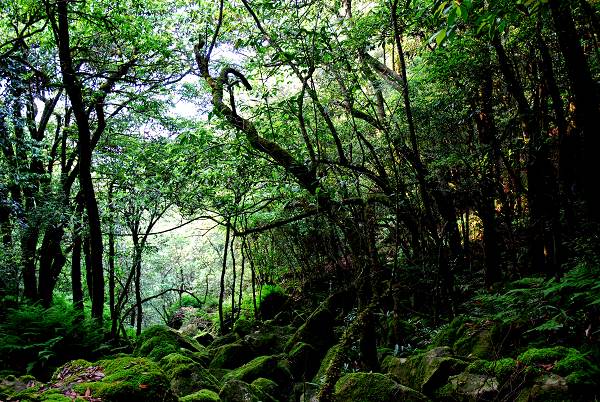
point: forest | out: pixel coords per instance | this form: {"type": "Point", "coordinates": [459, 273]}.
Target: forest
{"type": "Point", "coordinates": [299, 200]}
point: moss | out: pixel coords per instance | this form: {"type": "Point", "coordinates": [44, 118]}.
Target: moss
{"type": "Point", "coordinates": [186, 375]}
{"type": "Point", "coordinates": [171, 361]}
{"type": "Point", "coordinates": [204, 395]}
{"type": "Point", "coordinates": [128, 378]}
{"type": "Point", "coordinates": [580, 373]}
{"type": "Point", "coordinates": [243, 327]}
{"type": "Point", "coordinates": [427, 371]}
{"type": "Point", "coordinates": [325, 363]}
{"type": "Point", "coordinates": [317, 331]}
{"type": "Point", "coordinates": [469, 387]}
{"type": "Point", "coordinates": [304, 361]}
{"type": "Point", "coordinates": [239, 391]}
{"type": "Point", "coordinates": [449, 333]}
{"type": "Point", "coordinates": [501, 369]}
{"type": "Point", "coordinates": [231, 356]}
{"type": "Point", "coordinates": [267, 386]}
{"type": "Point", "coordinates": [159, 341]}
{"type": "Point", "coordinates": [373, 387]}
{"type": "Point", "coordinates": [270, 367]}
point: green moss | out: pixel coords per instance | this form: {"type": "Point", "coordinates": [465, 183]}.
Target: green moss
{"type": "Point", "coordinates": [128, 378]}
{"type": "Point", "coordinates": [231, 356]}
{"type": "Point", "coordinates": [450, 333]}
{"type": "Point", "coordinates": [171, 361]}
{"type": "Point", "coordinates": [270, 367]}
{"type": "Point", "coordinates": [543, 355]}
{"type": "Point", "coordinates": [204, 395]}
{"type": "Point", "coordinates": [373, 387]}
{"type": "Point", "coordinates": [426, 371]}
{"type": "Point", "coordinates": [317, 331]}
{"type": "Point", "coordinates": [159, 341]}
{"type": "Point", "coordinates": [304, 361]}
{"type": "Point", "coordinates": [239, 391]}
{"type": "Point", "coordinates": [266, 385]}
{"type": "Point", "coordinates": [243, 327]}
{"type": "Point", "coordinates": [325, 363]}
{"type": "Point", "coordinates": [567, 362]}
{"type": "Point", "coordinates": [501, 369]}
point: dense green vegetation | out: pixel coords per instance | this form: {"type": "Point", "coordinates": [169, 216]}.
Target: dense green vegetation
{"type": "Point", "coordinates": [342, 200]}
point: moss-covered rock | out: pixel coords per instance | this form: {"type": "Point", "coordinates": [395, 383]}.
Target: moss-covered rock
{"type": "Point", "coordinates": [239, 391]}
{"type": "Point", "coordinates": [204, 338]}
{"type": "Point", "coordinates": [243, 327]}
{"type": "Point", "coordinates": [469, 387]}
{"type": "Point", "coordinates": [319, 378]}
{"type": "Point", "coordinates": [269, 338]}
{"type": "Point", "coordinates": [304, 360]}
{"type": "Point", "coordinates": [204, 395]}
{"type": "Point", "coordinates": [502, 369]}
{"type": "Point", "coordinates": [114, 380]}
{"type": "Point", "coordinates": [186, 376]}
{"type": "Point", "coordinates": [549, 388]}
{"type": "Point", "coordinates": [231, 356]}
{"type": "Point", "coordinates": [224, 340]}
{"type": "Point", "coordinates": [269, 387]}
{"type": "Point", "coordinates": [158, 341]}
{"type": "Point", "coordinates": [271, 367]}
{"type": "Point", "coordinates": [426, 371]}
{"type": "Point", "coordinates": [373, 387]}
{"type": "Point", "coordinates": [468, 337]}
{"type": "Point", "coordinates": [579, 371]}
{"type": "Point", "coordinates": [318, 330]}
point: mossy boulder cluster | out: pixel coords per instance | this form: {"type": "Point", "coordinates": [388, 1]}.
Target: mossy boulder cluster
{"type": "Point", "coordinates": [278, 361]}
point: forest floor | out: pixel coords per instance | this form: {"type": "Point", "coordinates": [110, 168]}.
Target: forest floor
{"type": "Point", "coordinates": [509, 348]}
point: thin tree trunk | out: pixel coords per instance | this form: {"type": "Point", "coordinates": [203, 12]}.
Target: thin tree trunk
{"type": "Point", "coordinates": [222, 327]}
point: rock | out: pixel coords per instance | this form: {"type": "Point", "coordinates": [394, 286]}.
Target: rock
{"type": "Point", "coordinates": [204, 338]}
{"type": "Point", "coordinates": [204, 395]}
{"type": "Point", "coordinates": [231, 356]}
{"type": "Point", "coordinates": [239, 391]}
{"type": "Point", "coordinates": [426, 371]}
{"type": "Point", "coordinates": [306, 392]}
{"type": "Point", "coordinates": [271, 367]}
{"type": "Point", "coordinates": [473, 338]}
{"type": "Point", "coordinates": [319, 378]}
{"type": "Point", "coordinates": [502, 369]}
{"type": "Point", "coordinates": [243, 327]}
{"type": "Point", "coordinates": [317, 331]}
{"type": "Point", "coordinates": [373, 387]}
{"type": "Point", "coordinates": [304, 360]}
{"type": "Point", "coordinates": [269, 387]}
{"type": "Point", "coordinates": [467, 387]}
{"type": "Point", "coordinates": [158, 341]}
{"type": "Point", "coordinates": [133, 379]}
{"type": "Point", "coordinates": [271, 305]}
{"type": "Point", "coordinates": [269, 339]}
{"type": "Point", "coordinates": [223, 340]}
{"type": "Point", "coordinates": [187, 376]}
{"type": "Point", "coordinates": [548, 388]}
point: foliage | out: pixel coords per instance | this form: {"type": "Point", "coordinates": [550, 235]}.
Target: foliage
{"type": "Point", "coordinates": [37, 340]}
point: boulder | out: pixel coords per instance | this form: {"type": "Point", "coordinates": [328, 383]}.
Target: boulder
{"type": "Point", "coordinates": [468, 387]}
{"type": "Point", "coordinates": [304, 360]}
{"type": "Point", "coordinates": [318, 330]}
{"type": "Point", "coordinates": [426, 371]}
{"type": "Point", "coordinates": [204, 395]}
{"type": "Point", "coordinates": [269, 387]}
{"type": "Point", "coordinates": [239, 391]}
{"type": "Point", "coordinates": [132, 379]}
{"type": "Point", "coordinates": [187, 376]}
{"type": "Point", "coordinates": [231, 356]}
{"type": "Point", "coordinates": [204, 338]}
{"type": "Point", "coordinates": [548, 388]}
{"type": "Point", "coordinates": [373, 387]}
{"type": "Point", "coordinates": [158, 341]}
{"type": "Point", "coordinates": [271, 367]}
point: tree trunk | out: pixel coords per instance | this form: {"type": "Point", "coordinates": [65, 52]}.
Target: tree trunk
{"type": "Point", "coordinates": [584, 90]}
{"type": "Point", "coordinates": [74, 92]}
{"type": "Point", "coordinates": [222, 327]}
